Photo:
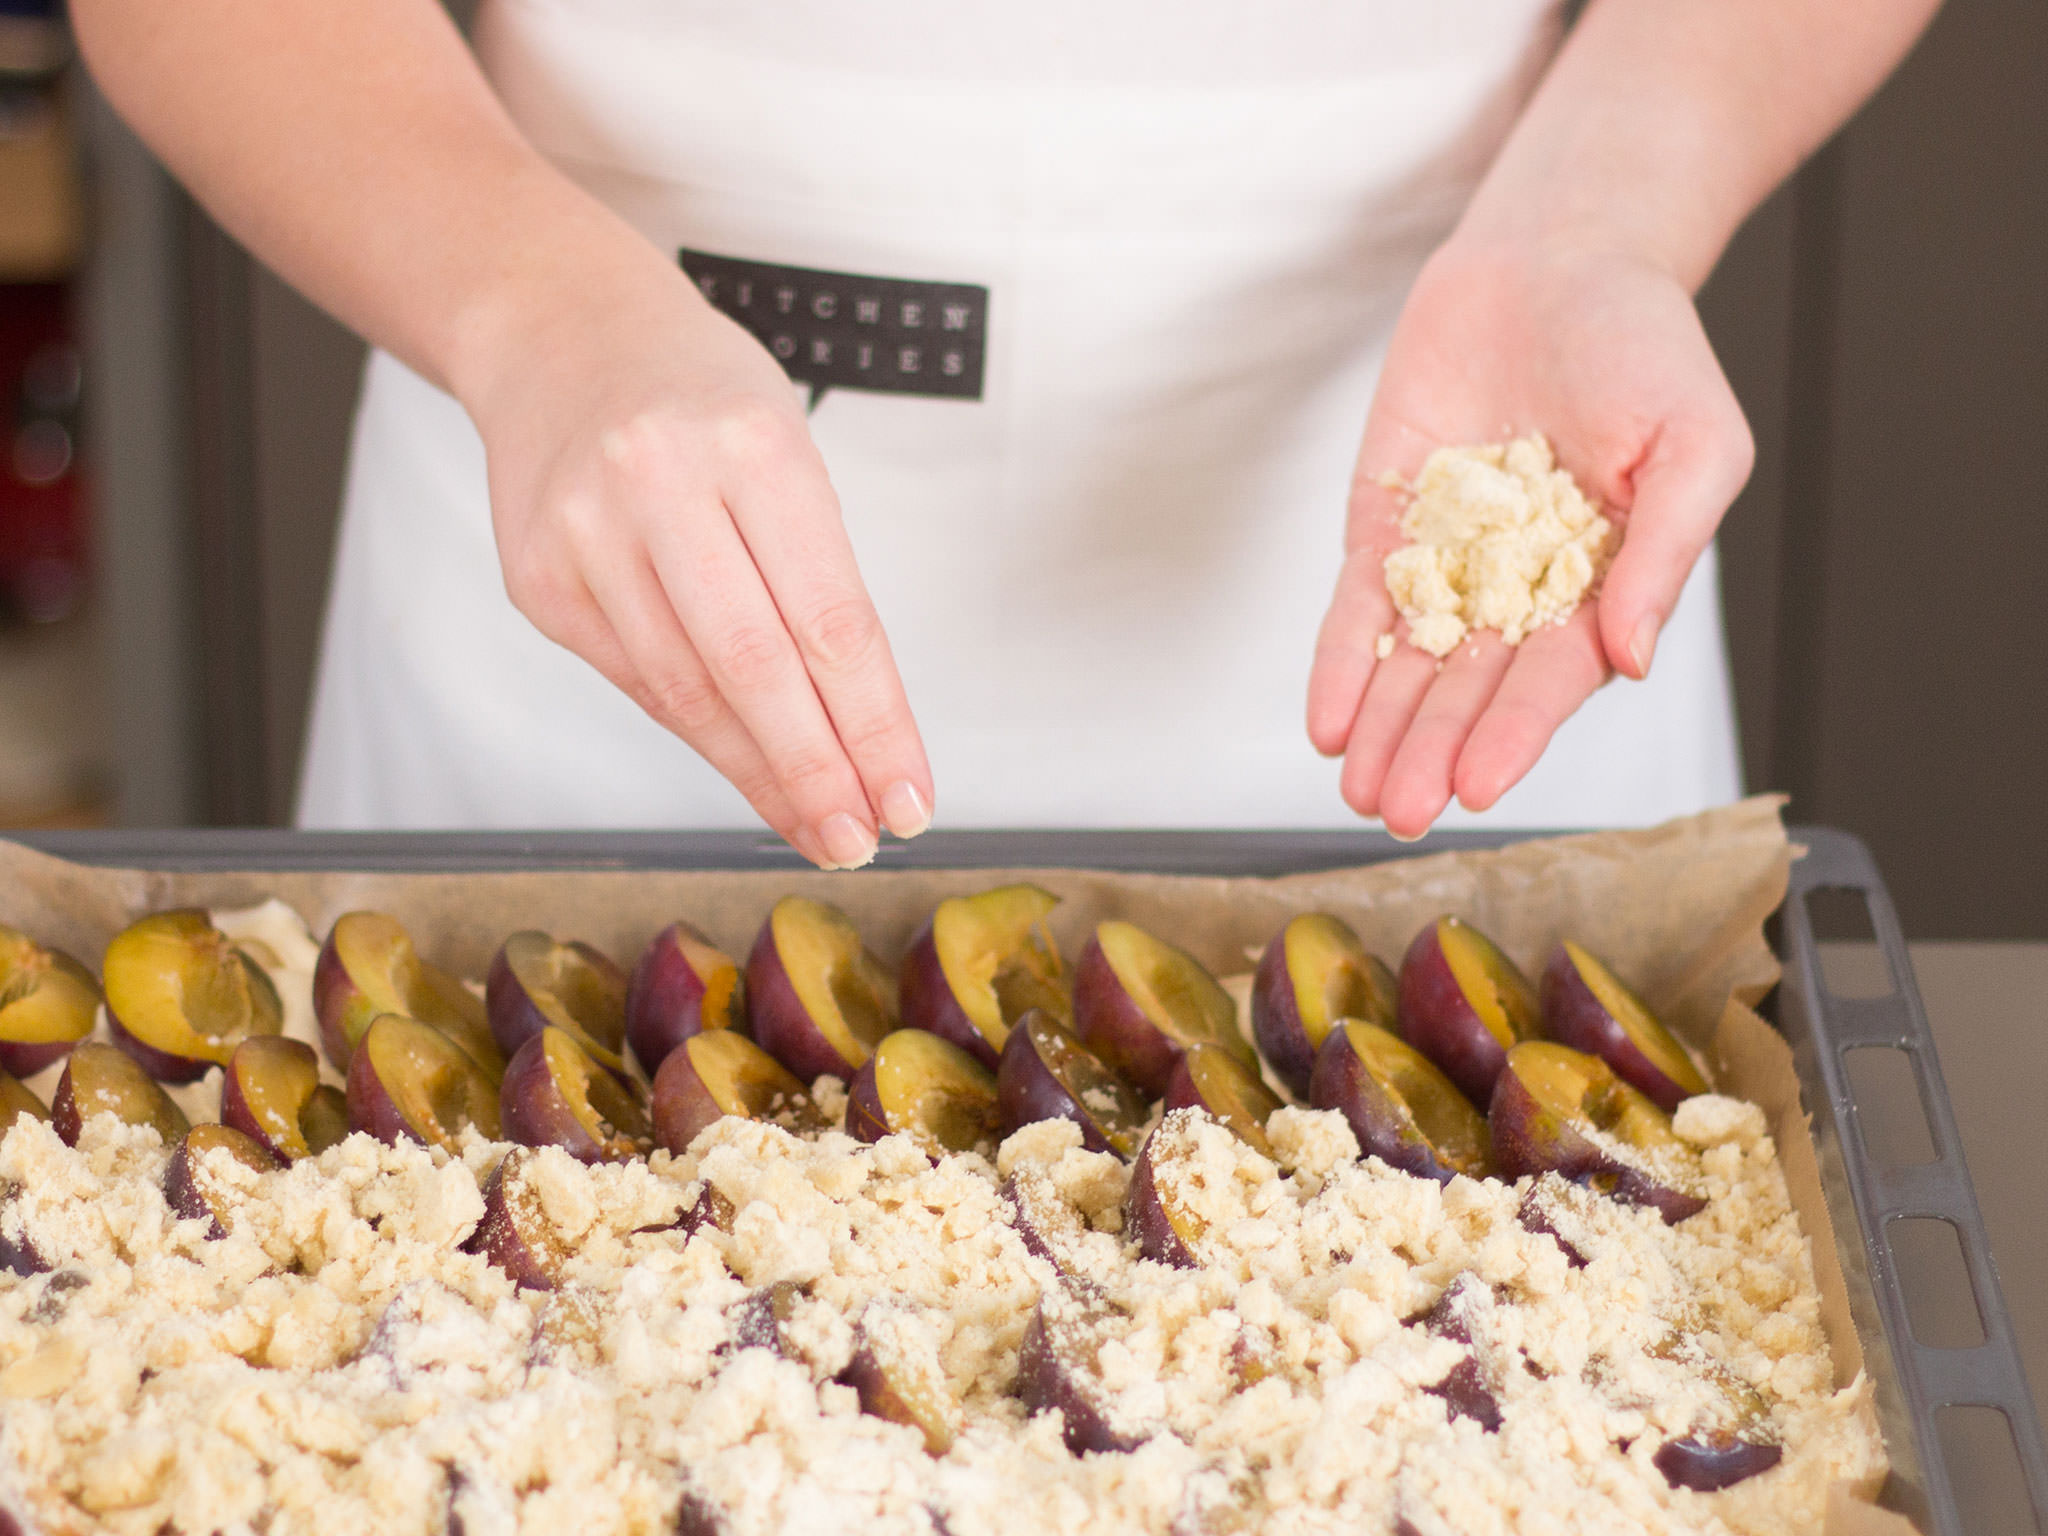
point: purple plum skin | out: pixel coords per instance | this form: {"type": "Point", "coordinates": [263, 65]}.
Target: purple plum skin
{"type": "Point", "coordinates": [531, 1109]}
{"type": "Point", "coordinates": [22, 1059]}
{"type": "Point", "coordinates": [1706, 1463]}
{"type": "Point", "coordinates": [524, 1258]}
{"type": "Point", "coordinates": [332, 993]}
{"type": "Point", "coordinates": [665, 998]}
{"type": "Point", "coordinates": [161, 1065]}
{"type": "Point", "coordinates": [1534, 1218]}
{"type": "Point", "coordinates": [182, 1191]}
{"type": "Point", "coordinates": [1528, 1139]}
{"type": "Point", "coordinates": [1158, 1239]}
{"type": "Point", "coordinates": [710, 1211]}
{"type": "Point", "coordinates": [1115, 1028]}
{"type": "Point", "coordinates": [371, 1107]}
{"type": "Point", "coordinates": [865, 1120]}
{"type": "Point", "coordinates": [782, 1025]}
{"type": "Point", "coordinates": [1341, 1082]}
{"type": "Point", "coordinates": [1276, 1020]}
{"type": "Point", "coordinates": [235, 1108]}
{"type": "Point", "coordinates": [1573, 1016]}
{"type": "Point", "coordinates": [1439, 1021]}
{"type": "Point", "coordinates": [925, 1000]}
{"type": "Point", "coordinates": [513, 1016]}
{"type": "Point", "coordinates": [21, 1257]}
{"type": "Point", "coordinates": [1051, 1374]}
{"type": "Point", "coordinates": [683, 1106]}
{"type": "Point", "coordinates": [68, 1123]}
{"type": "Point", "coordinates": [1027, 1091]}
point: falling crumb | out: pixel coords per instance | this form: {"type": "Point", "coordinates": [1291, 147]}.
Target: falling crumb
{"type": "Point", "coordinates": [1500, 538]}
{"type": "Point", "coordinates": [1384, 646]}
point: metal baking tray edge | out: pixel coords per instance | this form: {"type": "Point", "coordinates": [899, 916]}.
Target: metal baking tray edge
{"type": "Point", "coordinates": [1912, 1380]}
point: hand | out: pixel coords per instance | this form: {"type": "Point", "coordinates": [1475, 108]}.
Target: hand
{"type": "Point", "coordinates": [1604, 354]}
{"type": "Point", "coordinates": [661, 511]}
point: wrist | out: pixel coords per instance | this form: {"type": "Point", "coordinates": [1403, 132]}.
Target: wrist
{"type": "Point", "coordinates": [1531, 218]}
{"type": "Point", "coordinates": [574, 272]}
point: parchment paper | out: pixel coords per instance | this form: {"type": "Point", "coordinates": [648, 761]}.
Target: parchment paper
{"type": "Point", "coordinates": [1678, 910]}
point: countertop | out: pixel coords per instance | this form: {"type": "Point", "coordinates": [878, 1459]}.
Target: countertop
{"type": "Point", "coordinates": [1988, 1006]}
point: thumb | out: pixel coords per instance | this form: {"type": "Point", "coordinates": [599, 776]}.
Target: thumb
{"type": "Point", "coordinates": [1682, 489]}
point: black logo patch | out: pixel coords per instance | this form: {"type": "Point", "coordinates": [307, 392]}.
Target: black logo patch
{"type": "Point", "coordinates": [842, 330]}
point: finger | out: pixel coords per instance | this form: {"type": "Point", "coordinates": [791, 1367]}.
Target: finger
{"type": "Point", "coordinates": [1681, 490]}
{"type": "Point", "coordinates": [631, 636]}
{"type": "Point", "coordinates": [1391, 699]}
{"type": "Point", "coordinates": [789, 518]}
{"type": "Point", "coordinates": [716, 591]}
{"type": "Point", "coordinates": [1347, 650]}
{"type": "Point", "coordinates": [1419, 780]}
{"type": "Point", "coordinates": [1555, 671]}
{"type": "Point", "coordinates": [1347, 645]}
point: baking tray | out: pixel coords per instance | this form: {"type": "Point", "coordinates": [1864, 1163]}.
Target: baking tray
{"type": "Point", "coordinates": [1959, 1424]}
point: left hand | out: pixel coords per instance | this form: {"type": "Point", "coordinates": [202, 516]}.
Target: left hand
{"type": "Point", "coordinates": [1603, 353]}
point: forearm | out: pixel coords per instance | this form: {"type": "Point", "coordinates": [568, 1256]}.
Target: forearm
{"type": "Point", "coordinates": [1663, 123]}
{"type": "Point", "coordinates": [358, 150]}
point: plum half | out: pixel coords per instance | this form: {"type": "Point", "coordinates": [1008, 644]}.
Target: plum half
{"type": "Point", "coordinates": [926, 1088]}
{"type": "Point", "coordinates": [18, 1099]}
{"type": "Point", "coordinates": [1561, 1110]}
{"type": "Point", "coordinates": [1738, 1443]}
{"type": "Point", "coordinates": [272, 1093]}
{"type": "Point", "coordinates": [1167, 1230]}
{"type": "Point", "coordinates": [1466, 1391]}
{"type": "Point", "coordinates": [721, 1072]}
{"type": "Point", "coordinates": [1464, 1004]}
{"type": "Point", "coordinates": [1210, 1078]}
{"type": "Point", "coordinates": [1399, 1105]}
{"type": "Point", "coordinates": [1048, 1226]}
{"type": "Point", "coordinates": [1057, 1368]}
{"type": "Point", "coordinates": [48, 1003]}
{"type": "Point", "coordinates": [900, 1381]}
{"type": "Point", "coordinates": [555, 1094]}
{"type": "Point", "coordinates": [820, 1002]}
{"type": "Point", "coordinates": [189, 1192]}
{"type": "Point", "coordinates": [1586, 1006]}
{"type": "Point", "coordinates": [368, 967]}
{"type": "Point", "coordinates": [407, 1080]}
{"type": "Point", "coordinates": [515, 1233]}
{"type": "Point", "coordinates": [535, 982]}
{"type": "Point", "coordinates": [979, 964]}
{"type": "Point", "coordinates": [105, 1080]}
{"type": "Point", "coordinates": [1139, 1002]}
{"type": "Point", "coordinates": [684, 984]}
{"type": "Point", "coordinates": [1314, 973]}
{"type": "Point", "coordinates": [181, 995]}
{"type": "Point", "coordinates": [1046, 1073]}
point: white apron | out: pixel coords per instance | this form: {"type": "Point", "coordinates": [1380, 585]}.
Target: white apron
{"type": "Point", "coordinates": [1102, 580]}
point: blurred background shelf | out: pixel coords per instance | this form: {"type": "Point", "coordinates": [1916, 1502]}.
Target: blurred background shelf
{"type": "Point", "coordinates": [56, 737]}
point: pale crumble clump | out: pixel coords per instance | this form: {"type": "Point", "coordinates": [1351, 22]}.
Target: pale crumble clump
{"type": "Point", "coordinates": [338, 1363]}
{"type": "Point", "coordinates": [1500, 537]}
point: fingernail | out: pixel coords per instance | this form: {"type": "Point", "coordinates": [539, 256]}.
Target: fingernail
{"type": "Point", "coordinates": [848, 844]}
{"type": "Point", "coordinates": [903, 809]}
{"type": "Point", "coordinates": [1404, 837]}
{"type": "Point", "coordinates": [1644, 645]}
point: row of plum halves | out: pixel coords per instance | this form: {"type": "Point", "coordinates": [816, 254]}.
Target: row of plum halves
{"type": "Point", "coordinates": [981, 1033]}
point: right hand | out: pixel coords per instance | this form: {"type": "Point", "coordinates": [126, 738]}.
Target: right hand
{"type": "Point", "coordinates": [661, 510]}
